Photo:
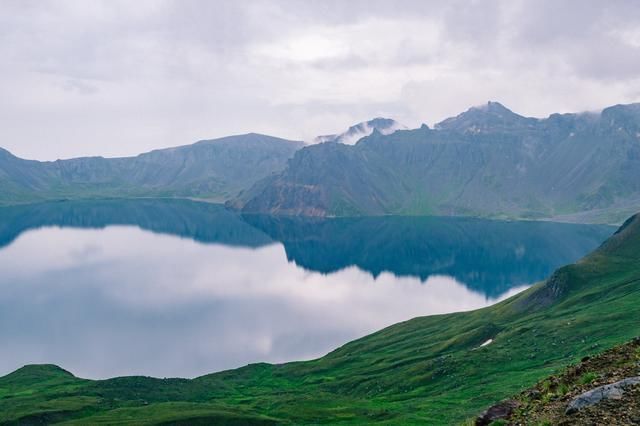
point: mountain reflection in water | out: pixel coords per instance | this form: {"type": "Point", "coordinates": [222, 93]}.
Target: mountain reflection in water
{"type": "Point", "coordinates": [85, 284]}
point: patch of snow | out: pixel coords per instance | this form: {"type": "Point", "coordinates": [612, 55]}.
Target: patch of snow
{"type": "Point", "coordinates": [473, 129]}
{"type": "Point", "coordinates": [487, 343]}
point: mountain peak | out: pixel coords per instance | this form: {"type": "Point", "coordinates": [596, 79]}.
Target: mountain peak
{"type": "Point", "coordinates": [622, 116]}
{"type": "Point", "coordinates": [497, 108]}
{"type": "Point", "coordinates": [485, 118]}
{"type": "Point", "coordinates": [384, 126]}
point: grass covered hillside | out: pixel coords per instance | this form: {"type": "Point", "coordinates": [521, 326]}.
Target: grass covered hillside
{"type": "Point", "coordinates": [432, 370]}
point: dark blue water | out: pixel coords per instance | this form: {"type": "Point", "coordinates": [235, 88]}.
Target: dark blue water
{"type": "Point", "coordinates": [179, 288]}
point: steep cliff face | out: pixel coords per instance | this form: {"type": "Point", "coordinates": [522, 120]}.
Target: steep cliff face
{"type": "Point", "coordinates": [487, 161]}
{"type": "Point", "coordinates": [327, 179]}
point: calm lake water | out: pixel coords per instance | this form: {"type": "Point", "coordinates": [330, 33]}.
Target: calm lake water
{"type": "Point", "coordinates": [179, 288]}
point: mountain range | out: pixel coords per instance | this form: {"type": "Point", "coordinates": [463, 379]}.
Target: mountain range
{"type": "Point", "coordinates": [487, 161]}
{"type": "Point", "coordinates": [210, 169]}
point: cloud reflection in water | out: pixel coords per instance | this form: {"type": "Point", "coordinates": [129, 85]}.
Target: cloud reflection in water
{"type": "Point", "coordinates": [122, 301]}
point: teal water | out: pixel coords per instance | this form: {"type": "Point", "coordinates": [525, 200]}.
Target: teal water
{"type": "Point", "coordinates": [180, 288]}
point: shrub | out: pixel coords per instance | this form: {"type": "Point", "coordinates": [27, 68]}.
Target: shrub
{"type": "Point", "coordinates": [588, 378]}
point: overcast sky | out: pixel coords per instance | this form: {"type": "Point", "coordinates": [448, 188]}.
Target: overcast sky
{"type": "Point", "coordinates": [113, 77]}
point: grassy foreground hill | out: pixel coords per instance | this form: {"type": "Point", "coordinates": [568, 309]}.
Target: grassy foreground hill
{"type": "Point", "coordinates": [441, 369]}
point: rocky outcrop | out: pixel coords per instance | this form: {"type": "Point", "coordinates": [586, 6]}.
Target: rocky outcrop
{"type": "Point", "coordinates": [600, 390]}
{"type": "Point", "coordinates": [548, 293]}
{"type": "Point", "coordinates": [500, 411]}
{"type": "Point", "coordinates": [613, 391]}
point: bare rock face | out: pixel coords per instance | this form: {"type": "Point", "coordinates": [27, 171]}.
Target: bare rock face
{"type": "Point", "coordinates": [502, 410]}
{"type": "Point", "coordinates": [546, 295]}
{"type": "Point", "coordinates": [613, 391]}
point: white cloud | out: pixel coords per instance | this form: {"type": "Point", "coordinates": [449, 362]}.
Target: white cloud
{"type": "Point", "coordinates": [307, 48]}
{"type": "Point", "coordinates": [118, 78]}
{"type": "Point", "coordinates": [629, 36]}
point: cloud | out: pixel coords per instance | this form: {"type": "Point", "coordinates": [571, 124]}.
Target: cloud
{"type": "Point", "coordinates": [118, 78]}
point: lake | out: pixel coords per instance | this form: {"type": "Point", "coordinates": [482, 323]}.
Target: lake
{"type": "Point", "coordinates": [179, 288]}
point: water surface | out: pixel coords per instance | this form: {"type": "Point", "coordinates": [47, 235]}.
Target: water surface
{"type": "Point", "coordinates": [179, 288]}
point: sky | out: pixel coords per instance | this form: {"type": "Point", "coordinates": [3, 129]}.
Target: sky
{"type": "Point", "coordinates": [120, 77]}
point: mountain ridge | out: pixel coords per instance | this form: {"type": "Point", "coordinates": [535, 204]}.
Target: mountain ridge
{"type": "Point", "coordinates": [365, 128]}
{"type": "Point", "coordinates": [491, 113]}
{"type": "Point", "coordinates": [210, 169]}
{"type": "Point", "coordinates": [486, 162]}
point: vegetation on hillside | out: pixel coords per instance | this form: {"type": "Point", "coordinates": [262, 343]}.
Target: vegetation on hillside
{"type": "Point", "coordinates": [549, 401]}
{"type": "Point", "coordinates": [436, 370]}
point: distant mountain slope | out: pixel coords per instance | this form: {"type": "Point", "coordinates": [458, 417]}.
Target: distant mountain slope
{"type": "Point", "coordinates": [386, 126]}
{"type": "Point", "coordinates": [216, 169]}
{"type": "Point", "coordinates": [487, 161]}
{"type": "Point", "coordinates": [437, 370]}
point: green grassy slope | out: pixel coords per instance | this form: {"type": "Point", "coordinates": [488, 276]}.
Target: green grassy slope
{"type": "Point", "coordinates": [426, 370]}
{"type": "Point", "coordinates": [546, 403]}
